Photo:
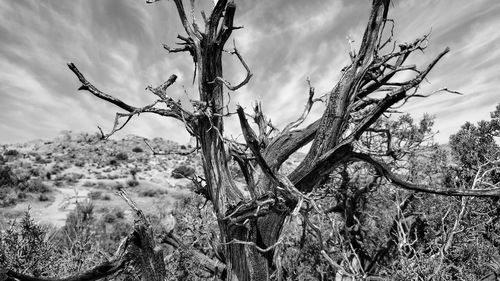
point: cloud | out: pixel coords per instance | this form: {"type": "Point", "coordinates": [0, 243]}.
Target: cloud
{"type": "Point", "coordinates": [117, 45]}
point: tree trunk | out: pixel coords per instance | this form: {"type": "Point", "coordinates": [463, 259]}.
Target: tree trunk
{"type": "Point", "coordinates": [247, 262]}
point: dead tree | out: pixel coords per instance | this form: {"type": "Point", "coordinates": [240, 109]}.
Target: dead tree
{"type": "Point", "coordinates": [251, 221]}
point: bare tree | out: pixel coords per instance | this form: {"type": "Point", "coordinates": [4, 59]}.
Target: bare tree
{"type": "Point", "coordinates": [251, 220]}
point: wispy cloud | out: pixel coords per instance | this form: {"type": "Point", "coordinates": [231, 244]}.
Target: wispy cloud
{"type": "Point", "coordinates": [117, 44]}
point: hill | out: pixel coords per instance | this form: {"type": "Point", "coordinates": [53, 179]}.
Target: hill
{"type": "Point", "coordinates": [50, 177]}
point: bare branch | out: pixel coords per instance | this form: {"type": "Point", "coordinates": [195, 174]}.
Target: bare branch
{"type": "Point", "coordinates": [215, 18]}
{"type": "Point", "coordinates": [322, 167]}
{"type": "Point", "coordinates": [236, 241]}
{"type": "Point", "coordinates": [254, 144]}
{"type": "Point", "coordinates": [305, 113]}
{"type": "Point", "coordinates": [213, 266]}
{"type": "Point", "coordinates": [393, 178]}
{"type": "Point", "coordinates": [242, 83]}
{"type": "Point", "coordinates": [284, 145]}
{"type": "Point", "coordinates": [174, 109]}
{"type": "Point", "coordinates": [176, 50]}
{"type": "Point", "coordinates": [86, 85]}
{"type": "Point", "coordinates": [227, 24]}
{"type": "Point", "coordinates": [393, 98]}
{"type": "Point", "coordinates": [161, 90]}
{"type": "Point", "coordinates": [183, 17]}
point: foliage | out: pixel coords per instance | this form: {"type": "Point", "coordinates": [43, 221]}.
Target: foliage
{"type": "Point", "coordinates": [152, 192]}
{"type": "Point", "coordinates": [182, 171]}
{"type": "Point", "coordinates": [121, 156]}
{"type": "Point", "coordinates": [137, 149]}
{"type": "Point", "coordinates": [24, 248]}
{"type": "Point", "coordinates": [11, 152]}
{"type": "Point", "coordinates": [196, 222]}
{"type": "Point", "coordinates": [132, 183]}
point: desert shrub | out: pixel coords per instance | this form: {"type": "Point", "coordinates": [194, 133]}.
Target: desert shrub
{"type": "Point", "coordinates": [152, 192]}
{"type": "Point", "coordinates": [7, 177]}
{"type": "Point", "coordinates": [118, 185]}
{"type": "Point", "coordinates": [137, 149]}
{"type": "Point", "coordinates": [36, 186]}
{"type": "Point", "coordinates": [113, 162]}
{"type": "Point", "coordinates": [106, 197]}
{"type": "Point", "coordinates": [7, 197]}
{"type": "Point", "coordinates": [38, 158]}
{"type": "Point", "coordinates": [88, 184]}
{"type": "Point", "coordinates": [122, 156]}
{"type": "Point", "coordinates": [11, 152]}
{"type": "Point", "coordinates": [119, 214]}
{"type": "Point", "coordinates": [132, 183]}
{"type": "Point", "coordinates": [192, 219]}
{"type": "Point", "coordinates": [86, 208]}
{"type": "Point", "coordinates": [182, 172]}
{"type": "Point", "coordinates": [21, 195]}
{"type": "Point", "coordinates": [109, 218]}
{"type": "Point", "coordinates": [95, 195]}
{"type": "Point", "coordinates": [23, 248]}
{"type": "Point", "coordinates": [43, 197]}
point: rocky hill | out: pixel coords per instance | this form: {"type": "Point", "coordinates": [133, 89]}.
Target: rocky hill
{"type": "Point", "coordinates": [50, 177]}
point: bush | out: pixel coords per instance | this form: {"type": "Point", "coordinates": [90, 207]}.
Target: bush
{"type": "Point", "coordinates": [118, 185]}
{"type": "Point", "coordinates": [7, 177]}
{"type": "Point", "coordinates": [7, 197]}
{"type": "Point", "coordinates": [42, 198]}
{"type": "Point", "coordinates": [122, 156]}
{"type": "Point", "coordinates": [119, 214]}
{"type": "Point", "coordinates": [152, 192]}
{"type": "Point", "coordinates": [106, 197]}
{"type": "Point", "coordinates": [22, 195]}
{"type": "Point", "coordinates": [36, 186]}
{"type": "Point", "coordinates": [11, 152]}
{"type": "Point", "coordinates": [23, 248]}
{"type": "Point", "coordinates": [137, 149]}
{"type": "Point", "coordinates": [182, 172]}
{"type": "Point", "coordinates": [132, 183]}
{"type": "Point", "coordinates": [86, 209]}
{"type": "Point", "coordinates": [95, 195]}
{"type": "Point", "coordinates": [88, 184]}
{"type": "Point", "coordinates": [109, 218]}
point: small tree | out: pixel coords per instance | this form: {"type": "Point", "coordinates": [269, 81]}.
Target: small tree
{"type": "Point", "coordinates": [251, 220]}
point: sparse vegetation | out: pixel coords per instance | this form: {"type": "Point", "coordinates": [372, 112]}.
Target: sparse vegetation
{"type": "Point", "coordinates": [182, 172]}
{"type": "Point", "coordinates": [152, 192]}
{"type": "Point", "coordinates": [95, 195]}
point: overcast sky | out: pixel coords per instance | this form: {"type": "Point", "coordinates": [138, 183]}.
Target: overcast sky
{"type": "Point", "coordinates": [117, 45]}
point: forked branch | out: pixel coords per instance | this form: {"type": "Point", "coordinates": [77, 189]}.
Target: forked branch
{"type": "Point", "coordinates": [174, 109]}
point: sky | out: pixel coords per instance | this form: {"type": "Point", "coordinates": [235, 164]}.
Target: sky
{"type": "Point", "coordinates": [117, 45]}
